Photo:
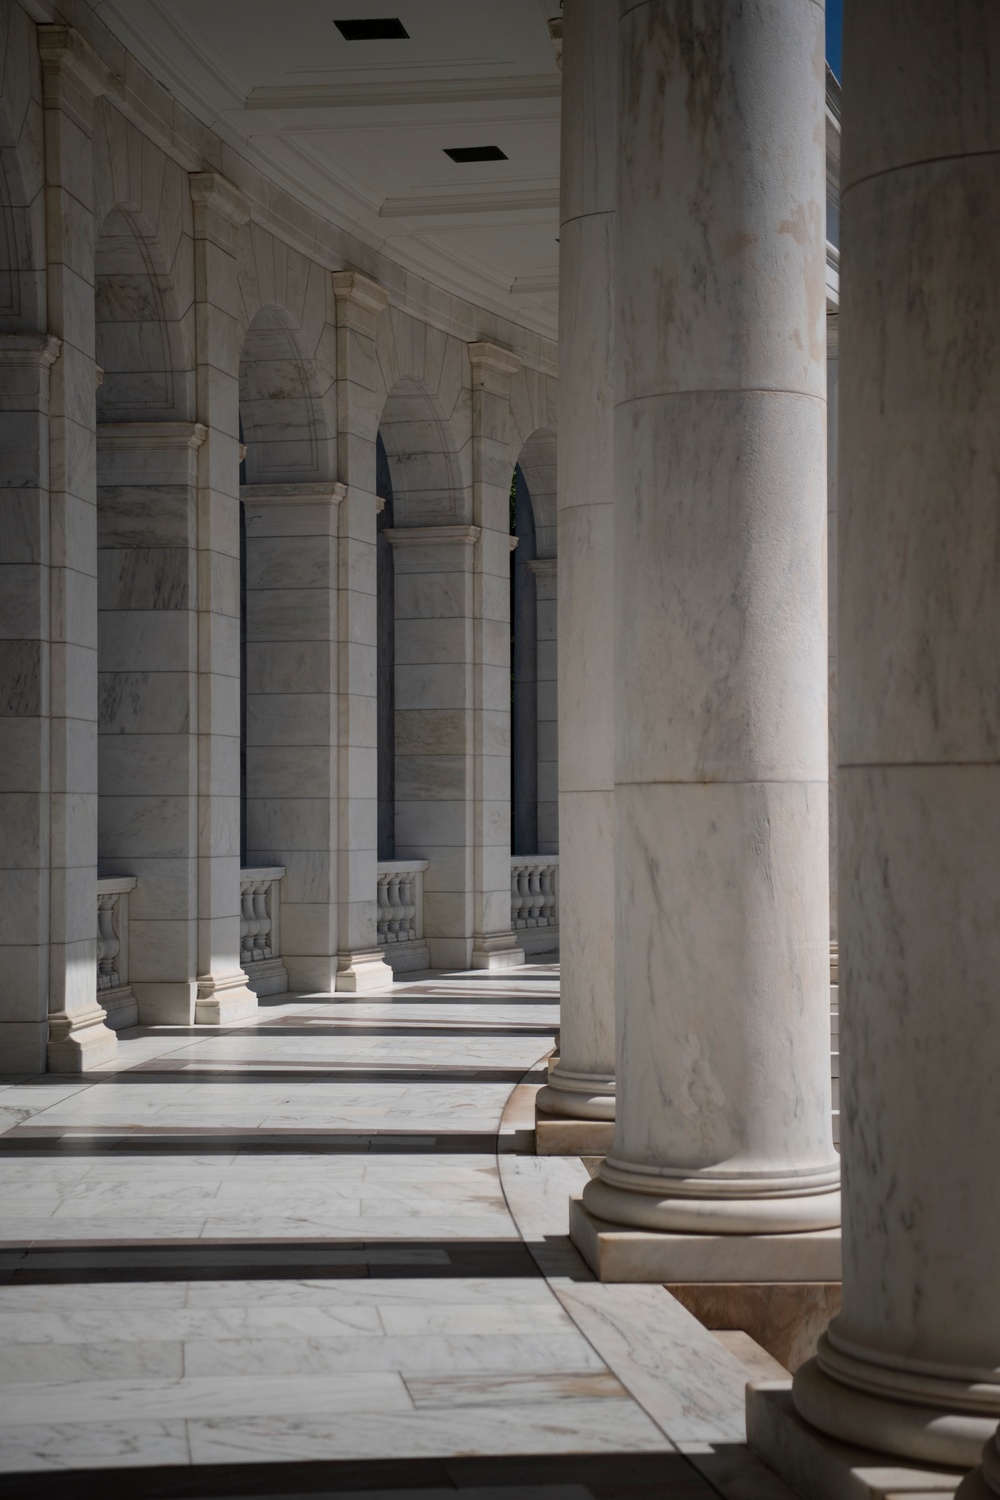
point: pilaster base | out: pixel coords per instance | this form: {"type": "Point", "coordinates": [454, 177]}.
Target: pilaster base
{"type": "Point", "coordinates": [268, 976]}
{"type": "Point", "coordinates": [80, 1041]}
{"type": "Point", "coordinates": [121, 1008]}
{"type": "Point", "coordinates": [223, 1001]}
{"type": "Point", "coordinates": [616, 1253]}
{"type": "Point", "coordinates": [824, 1468]}
{"type": "Point", "coordinates": [498, 950]}
{"type": "Point", "coordinates": [361, 972]}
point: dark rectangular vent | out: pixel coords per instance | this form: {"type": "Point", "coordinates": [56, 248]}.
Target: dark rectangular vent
{"type": "Point", "coordinates": [386, 29]}
{"type": "Point", "coordinates": [475, 153]}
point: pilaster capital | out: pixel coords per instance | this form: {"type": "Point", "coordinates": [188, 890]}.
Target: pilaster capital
{"type": "Point", "coordinates": [492, 367]}
{"type": "Point", "coordinates": [72, 72]}
{"type": "Point", "coordinates": [543, 567]}
{"type": "Point", "coordinates": [29, 350]}
{"type": "Point", "coordinates": [832, 335]}
{"type": "Point", "coordinates": [432, 536]}
{"type": "Point", "coordinates": [150, 436]}
{"type": "Point", "coordinates": [329, 492]}
{"type": "Point", "coordinates": [359, 301]}
{"type": "Point", "coordinates": [216, 200]}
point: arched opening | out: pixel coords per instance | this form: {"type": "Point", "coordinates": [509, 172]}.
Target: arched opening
{"type": "Point", "coordinates": [534, 687]}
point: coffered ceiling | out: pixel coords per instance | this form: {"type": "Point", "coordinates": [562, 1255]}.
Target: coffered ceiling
{"type": "Point", "coordinates": [359, 129]}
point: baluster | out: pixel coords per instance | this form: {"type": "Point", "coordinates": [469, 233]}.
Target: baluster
{"type": "Point", "coordinates": [394, 903]}
{"type": "Point", "coordinates": [535, 897]}
{"type": "Point", "coordinates": [548, 897]}
{"type": "Point", "coordinates": [262, 946]}
{"type": "Point", "coordinates": [248, 923]}
{"type": "Point", "coordinates": [407, 907]}
{"type": "Point", "coordinates": [108, 945]}
{"type": "Point", "coordinates": [384, 909]}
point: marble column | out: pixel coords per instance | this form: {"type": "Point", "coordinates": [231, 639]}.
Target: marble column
{"type": "Point", "coordinates": [722, 921]}
{"type": "Point", "coordinates": [435, 727]}
{"type": "Point", "coordinates": [220, 211]}
{"type": "Point", "coordinates": [912, 1364]}
{"type": "Point", "coordinates": [147, 818]}
{"type": "Point", "coordinates": [494, 945]}
{"type": "Point", "coordinates": [359, 304]}
{"type": "Point", "coordinates": [581, 1085]}
{"type": "Point", "coordinates": [292, 799]}
{"type": "Point", "coordinates": [25, 362]}
{"type": "Point", "coordinates": [73, 77]}
{"type": "Point", "coordinates": [547, 700]}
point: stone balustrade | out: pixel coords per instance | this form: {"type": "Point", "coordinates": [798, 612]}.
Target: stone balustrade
{"type": "Point", "coordinates": [114, 993]}
{"type": "Point", "coordinates": [534, 901]}
{"type": "Point", "coordinates": [260, 930]}
{"type": "Point", "coordinates": [401, 913]}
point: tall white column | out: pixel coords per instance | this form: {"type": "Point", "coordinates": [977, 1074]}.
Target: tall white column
{"type": "Point", "coordinates": [220, 211]}
{"type": "Point", "coordinates": [581, 1086]}
{"type": "Point", "coordinates": [912, 1364]}
{"type": "Point", "coordinates": [361, 965]}
{"type": "Point", "coordinates": [547, 701]}
{"type": "Point", "coordinates": [72, 78]}
{"type": "Point", "coordinates": [494, 945]}
{"type": "Point", "coordinates": [722, 919]}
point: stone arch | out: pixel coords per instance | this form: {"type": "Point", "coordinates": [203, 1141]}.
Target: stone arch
{"type": "Point", "coordinates": [537, 462]}
{"type": "Point", "coordinates": [139, 345]}
{"type": "Point", "coordinates": [427, 487]}
{"type": "Point", "coordinates": [284, 425]}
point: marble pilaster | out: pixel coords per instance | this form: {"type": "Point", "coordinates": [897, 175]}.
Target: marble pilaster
{"type": "Point", "coordinates": [912, 1364]}
{"type": "Point", "coordinates": [435, 809]}
{"type": "Point", "coordinates": [722, 922]}
{"type": "Point", "coordinates": [581, 1085]}
{"type": "Point", "coordinates": [220, 211]}
{"type": "Point", "coordinates": [494, 945]}
{"type": "Point", "coordinates": [25, 362]}
{"type": "Point", "coordinates": [148, 685]}
{"type": "Point", "coordinates": [359, 304]}
{"type": "Point", "coordinates": [292, 753]}
{"type": "Point", "coordinates": [73, 77]}
{"type": "Point", "coordinates": [547, 688]}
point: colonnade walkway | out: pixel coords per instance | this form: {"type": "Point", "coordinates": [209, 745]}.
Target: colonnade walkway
{"type": "Point", "coordinates": [314, 1255]}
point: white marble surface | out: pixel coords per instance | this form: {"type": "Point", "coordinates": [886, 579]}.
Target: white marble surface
{"type": "Point", "coordinates": [722, 924]}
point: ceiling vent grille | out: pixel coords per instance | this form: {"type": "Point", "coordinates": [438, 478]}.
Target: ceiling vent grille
{"type": "Point", "coordinates": [384, 29]}
{"type": "Point", "coordinates": [475, 153]}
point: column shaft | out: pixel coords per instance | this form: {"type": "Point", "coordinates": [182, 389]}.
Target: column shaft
{"type": "Point", "coordinates": [220, 211]}
{"type": "Point", "coordinates": [722, 921]}
{"type": "Point", "coordinates": [912, 1364]}
{"type": "Point", "coordinates": [72, 78]}
{"type": "Point", "coordinates": [582, 1082]}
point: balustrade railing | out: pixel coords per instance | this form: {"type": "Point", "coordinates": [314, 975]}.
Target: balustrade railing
{"type": "Point", "coordinates": [114, 992]}
{"type": "Point", "coordinates": [534, 901]}
{"type": "Point", "coordinates": [260, 930]}
{"type": "Point", "coordinates": [401, 913]}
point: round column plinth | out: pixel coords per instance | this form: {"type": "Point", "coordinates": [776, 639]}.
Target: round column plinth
{"type": "Point", "coordinates": [941, 1417]}
{"type": "Point", "coordinates": [572, 1095]}
{"type": "Point", "coordinates": [711, 1203]}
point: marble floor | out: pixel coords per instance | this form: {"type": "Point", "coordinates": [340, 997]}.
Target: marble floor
{"type": "Point", "coordinates": [315, 1256]}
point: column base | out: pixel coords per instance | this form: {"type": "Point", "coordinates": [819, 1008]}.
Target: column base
{"type": "Point", "coordinates": [919, 1417]}
{"type": "Point", "coordinates": [825, 1469]}
{"type": "Point", "coordinates": [499, 950]}
{"type": "Point", "coordinates": [222, 1001]}
{"type": "Point", "coordinates": [575, 1114]}
{"type": "Point", "coordinates": [361, 972]}
{"type": "Point", "coordinates": [80, 1041]}
{"type": "Point", "coordinates": [636, 1197]}
{"type": "Point", "coordinates": [615, 1252]}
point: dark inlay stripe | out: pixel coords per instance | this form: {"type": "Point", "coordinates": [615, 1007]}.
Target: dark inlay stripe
{"type": "Point", "coordinates": [273, 1260]}
{"type": "Point", "coordinates": [223, 1070]}
{"type": "Point", "coordinates": [29, 1140]}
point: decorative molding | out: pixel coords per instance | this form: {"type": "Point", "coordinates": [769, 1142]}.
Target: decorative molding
{"type": "Point", "coordinates": [449, 204]}
{"type": "Point", "coordinates": [402, 95]}
{"type": "Point", "coordinates": [353, 290]}
{"type": "Point", "coordinates": [428, 536]}
{"type": "Point", "coordinates": [132, 435]}
{"type": "Point", "coordinates": [212, 193]}
{"type": "Point", "coordinates": [67, 59]}
{"type": "Point", "coordinates": [29, 350]}
{"type": "Point", "coordinates": [329, 490]}
{"type": "Point", "coordinates": [543, 567]}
